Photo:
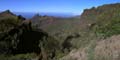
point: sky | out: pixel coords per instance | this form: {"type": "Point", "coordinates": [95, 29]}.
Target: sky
{"type": "Point", "coordinates": [56, 6]}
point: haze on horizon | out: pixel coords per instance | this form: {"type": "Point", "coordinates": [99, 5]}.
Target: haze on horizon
{"type": "Point", "coordinates": [56, 6]}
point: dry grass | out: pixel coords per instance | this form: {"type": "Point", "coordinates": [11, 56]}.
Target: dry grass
{"type": "Point", "coordinates": [107, 49]}
{"type": "Point", "coordinates": [76, 55]}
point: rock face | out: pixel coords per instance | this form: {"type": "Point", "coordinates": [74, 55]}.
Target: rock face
{"type": "Point", "coordinates": [103, 19]}
{"type": "Point", "coordinates": [101, 13]}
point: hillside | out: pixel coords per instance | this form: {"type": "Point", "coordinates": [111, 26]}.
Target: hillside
{"type": "Point", "coordinates": [102, 24]}
{"type": "Point", "coordinates": [19, 40]}
{"type": "Point", "coordinates": [9, 20]}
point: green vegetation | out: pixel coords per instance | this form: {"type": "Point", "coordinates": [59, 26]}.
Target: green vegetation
{"type": "Point", "coordinates": [108, 24]}
{"type": "Point", "coordinates": [8, 23]}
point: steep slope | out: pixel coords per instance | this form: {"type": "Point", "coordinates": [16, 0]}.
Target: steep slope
{"type": "Point", "coordinates": [103, 19]}
{"type": "Point", "coordinates": [107, 49]}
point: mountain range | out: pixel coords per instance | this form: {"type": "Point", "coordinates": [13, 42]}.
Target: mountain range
{"type": "Point", "coordinates": [93, 35]}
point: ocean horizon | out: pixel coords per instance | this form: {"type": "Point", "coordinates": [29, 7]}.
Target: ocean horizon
{"type": "Point", "coordinates": [31, 14]}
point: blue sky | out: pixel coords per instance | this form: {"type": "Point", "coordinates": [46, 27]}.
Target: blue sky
{"type": "Point", "coordinates": [58, 6]}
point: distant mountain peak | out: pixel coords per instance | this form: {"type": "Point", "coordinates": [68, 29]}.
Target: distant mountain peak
{"type": "Point", "coordinates": [36, 15]}
{"type": "Point", "coordinates": [7, 12]}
